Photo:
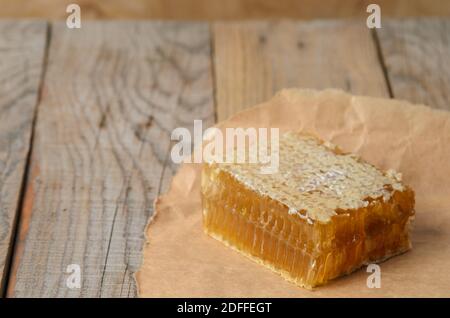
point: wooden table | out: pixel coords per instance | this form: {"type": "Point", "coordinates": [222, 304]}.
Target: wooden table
{"type": "Point", "coordinates": [86, 117]}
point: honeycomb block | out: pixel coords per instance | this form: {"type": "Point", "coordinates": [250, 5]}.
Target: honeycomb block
{"type": "Point", "coordinates": [324, 214]}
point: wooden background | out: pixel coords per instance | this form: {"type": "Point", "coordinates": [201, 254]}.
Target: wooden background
{"type": "Point", "coordinates": [220, 9]}
{"type": "Point", "coordinates": [86, 115]}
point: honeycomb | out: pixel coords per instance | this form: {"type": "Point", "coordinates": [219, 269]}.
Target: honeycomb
{"type": "Point", "coordinates": [323, 214]}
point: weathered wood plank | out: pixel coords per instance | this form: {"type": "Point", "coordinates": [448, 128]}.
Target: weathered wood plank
{"type": "Point", "coordinates": [113, 93]}
{"type": "Point", "coordinates": [416, 53]}
{"type": "Point", "coordinates": [255, 59]}
{"type": "Point", "coordinates": [22, 49]}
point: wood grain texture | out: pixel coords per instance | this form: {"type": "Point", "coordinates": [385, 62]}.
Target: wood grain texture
{"type": "Point", "coordinates": [22, 47]}
{"type": "Point", "coordinates": [113, 93]}
{"type": "Point", "coordinates": [417, 58]}
{"type": "Point", "coordinates": [220, 9]}
{"type": "Point", "coordinates": [253, 60]}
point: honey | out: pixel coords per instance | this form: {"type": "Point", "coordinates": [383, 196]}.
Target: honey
{"type": "Point", "coordinates": [322, 215]}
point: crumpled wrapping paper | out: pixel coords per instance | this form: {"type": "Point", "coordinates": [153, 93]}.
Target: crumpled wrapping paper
{"type": "Point", "coordinates": [181, 261]}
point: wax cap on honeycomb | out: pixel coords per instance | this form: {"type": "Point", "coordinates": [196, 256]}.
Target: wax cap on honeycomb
{"type": "Point", "coordinates": [315, 179]}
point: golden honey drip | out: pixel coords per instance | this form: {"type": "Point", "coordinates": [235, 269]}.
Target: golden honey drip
{"type": "Point", "coordinates": [307, 251]}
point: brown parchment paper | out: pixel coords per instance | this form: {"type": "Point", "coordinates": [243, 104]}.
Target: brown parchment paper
{"type": "Point", "coordinates": [181, 261]}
